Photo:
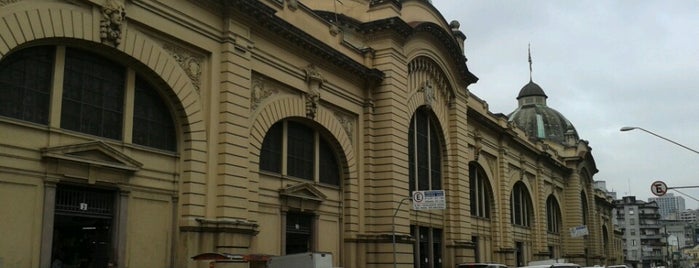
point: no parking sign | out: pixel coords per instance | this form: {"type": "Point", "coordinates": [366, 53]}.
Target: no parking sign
{"type": "Point", "coordinates": [658, 188]}
{"type": "Point", "coordinates": [425, 200]}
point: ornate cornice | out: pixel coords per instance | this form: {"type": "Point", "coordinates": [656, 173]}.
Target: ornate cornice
{"type": "Point", "coordinates": [395, 3]}
{"type": "Point", "coordinates": [452, 46]}
{"type": "Point", "coordinates": [524, 145]}
{"type": "Point", "coordinates": [405, 30]}
{"type": "Point", "coordinates": [262, 15]}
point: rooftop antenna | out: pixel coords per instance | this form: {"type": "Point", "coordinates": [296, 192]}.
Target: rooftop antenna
{"type": "Point", "coordinates": [530, 62]}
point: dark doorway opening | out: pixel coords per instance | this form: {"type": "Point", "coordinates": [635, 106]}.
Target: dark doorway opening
{"type": "Point", "coordinates": [83, 227]}
{"type": "Point", "coordinates": [519, 248]}
{"type": "Point", "coordinates": [299, 230]}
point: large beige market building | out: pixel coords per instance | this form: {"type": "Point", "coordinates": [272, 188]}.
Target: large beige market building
{"type": "Point", "coordinates": [140, 133]}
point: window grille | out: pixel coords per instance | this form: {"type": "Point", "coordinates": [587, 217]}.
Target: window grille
{"type": "Point", "coordinates": [83, 202]}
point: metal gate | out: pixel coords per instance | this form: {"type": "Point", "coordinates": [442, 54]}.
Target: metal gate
{"type": "Point", "coordinates": [80, 201]}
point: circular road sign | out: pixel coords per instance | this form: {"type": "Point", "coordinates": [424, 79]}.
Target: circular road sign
{"type": "Point", "coordinates": [418, 196]}
{"type": "Point", "coordinates": [658, 188]}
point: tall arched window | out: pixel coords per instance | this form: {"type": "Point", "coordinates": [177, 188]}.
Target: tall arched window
{"type": "Point", "coordinates": [553, 215]}
{"type": "Point", "coordinates": [25, 80]}
{"type": "Point", "coordinates": [605, 239]}
{"type": "Point", "coordinates": [295, 149]}
{"type": "Point", "coordinates": [92, 91]}
{"type": "Point", "coordinates": [424, 152]}
{"type": "Point", "coordinates": [425, 173]}
{"type": "Point", "coordinates": [583, 206]}
{"type": "Point", "coordinates": [521, 204]}
{"type": "Point", "coordinates": [480, 190]}
{"type": "Point", "coordinates": [151, 118]}
{"type": "Point", "coordinates": [93, 95]}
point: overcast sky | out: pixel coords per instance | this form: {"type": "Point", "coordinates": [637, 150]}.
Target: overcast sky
{"type": "Point", "coordinates": [603, 65]}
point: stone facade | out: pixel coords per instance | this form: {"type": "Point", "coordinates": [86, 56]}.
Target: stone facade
{"type": "Point", "coordinates": [379, 87]}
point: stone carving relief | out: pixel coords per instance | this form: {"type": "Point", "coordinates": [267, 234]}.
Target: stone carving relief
{"type": "Point", "coordinates": [113, 16]}
{"type": "Point", "coordinates": [428, 92]}
{"type": "Point", "coordinates": [423, 69]}
{"type": "Point", "coordinates": [477, 146]}
{"type": "Point", "coordinates": [190, 63]}
{"type": "Point", "coordinates": [492, 163]}
{"type": "Point", "coordinates": [346, 122]}
{"type": "Point", "coordinates": [312, 100]}
{"type": "Point", "coordinates": [259, 92]}
{"type": "Point", "coordinates": [548, 189]}
{"type": "Point", "coordinates": [315, 81]}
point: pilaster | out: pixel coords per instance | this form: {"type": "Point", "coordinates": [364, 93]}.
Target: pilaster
{"type": "Point", "coordinates": [574, 247]}
{"type": "Point", "coordinates": [231, 124]}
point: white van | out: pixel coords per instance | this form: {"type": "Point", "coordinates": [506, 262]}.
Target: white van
{"type": "Point", "coordinates": [481, 265]}
{"type": "Point", "coordinates": [554, 265]}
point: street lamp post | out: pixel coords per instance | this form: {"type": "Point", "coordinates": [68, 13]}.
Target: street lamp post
{"type": "Point", "coordinates": [393, 232]}
{"type": "Point", "coordinates": [675, 143]}
{"type": "Point", "coordinates": [650, 132]}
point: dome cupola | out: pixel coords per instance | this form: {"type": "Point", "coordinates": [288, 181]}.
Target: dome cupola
{"type": "Point", "coordinates": [537, 119]}
{"type": "Point", "coordinates": [542, 122]}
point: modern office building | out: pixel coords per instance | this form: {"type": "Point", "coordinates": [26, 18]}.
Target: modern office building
{"type": "Point", "coordinates": [669, 205]}
{"type": "Point", "coordinates": [141, 133]}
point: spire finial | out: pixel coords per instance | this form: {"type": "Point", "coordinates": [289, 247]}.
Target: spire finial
{"type": "Point", "coordinates": [530, 61]}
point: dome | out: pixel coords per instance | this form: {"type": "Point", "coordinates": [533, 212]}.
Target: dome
{"type": "Point", "coordinates": [531, 89]}
{"type": "Point", "coordinates": [540, 121]}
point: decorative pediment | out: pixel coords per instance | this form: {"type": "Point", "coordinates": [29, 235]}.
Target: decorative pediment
{"type": "Point", "coordinates": [304, 191]}
{"type": "Point", "coordinates": [91, 161]}
{"type": "Point", "coordinates": [96, 153]}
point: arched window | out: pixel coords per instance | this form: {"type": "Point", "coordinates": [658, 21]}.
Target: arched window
{"type": "Point", "coordinates": [25, 84]}
{"type": "Point", "coordinates": [583, 205]}
{"type": "Point", "coordinates": [295, 149]}
{"type": "Point", "coordinates": [92, 95]}
{"type": "Point", "coordinates": [553, 215]}
{"type": "Point", "coordinates": [605, 239]}
{"type": "Point", "coordinates": [152, 123]}
{"type": "Point", "coordinates": [424, 152]}
{"type": "Point", "coordinates": [479, 190]}
{"type": "Point", "coordinates": [521, 204]}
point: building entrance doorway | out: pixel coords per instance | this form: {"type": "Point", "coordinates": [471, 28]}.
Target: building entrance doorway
{"type": "Point", "coordinates": [299, 231]}
{"type": "Point", "coordinates": [83, 232]}
{"type": "Point", "coordinates": [519, 251]}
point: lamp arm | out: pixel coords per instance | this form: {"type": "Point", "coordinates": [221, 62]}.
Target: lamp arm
{"type": "Point", "coordinates": [669, 140]}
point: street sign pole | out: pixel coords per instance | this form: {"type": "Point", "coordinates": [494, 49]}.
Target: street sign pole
{"type": "Point", "coordinates": [422, 200]}
{"type": "Point", "coordinates": [393, 235]}
{"type": "Point", "coordinates": [659, 188]}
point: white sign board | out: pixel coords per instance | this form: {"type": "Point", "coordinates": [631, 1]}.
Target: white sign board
{"type": "Point", "coordinates": [426, 200]}
{"type": "Point", "coordinates": [579, 231]}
